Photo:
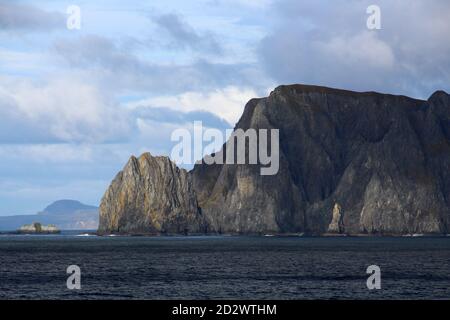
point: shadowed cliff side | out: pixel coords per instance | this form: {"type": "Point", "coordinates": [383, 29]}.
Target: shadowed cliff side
{"type": "Point", "coordinates": [384, 160]}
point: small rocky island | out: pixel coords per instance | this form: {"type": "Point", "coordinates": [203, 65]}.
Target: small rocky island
{"type": "Point", "coordinates": [38, 228]}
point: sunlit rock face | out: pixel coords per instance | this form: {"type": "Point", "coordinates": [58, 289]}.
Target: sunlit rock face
{"type": "Point", "coordinates": [37, 228]}
{"type": "Point", "coordinates": [384, 159]}
{"type": "Point", "coordinates": [336, 225]}
{"type": "Point", "coordinates": [150, 195]}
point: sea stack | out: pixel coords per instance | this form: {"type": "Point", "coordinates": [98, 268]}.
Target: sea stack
{"type": "Point", "coordinates": [151, 195]}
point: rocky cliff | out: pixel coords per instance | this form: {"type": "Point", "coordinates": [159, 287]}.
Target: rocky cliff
{"type": "Point", "coordinates": [349, 163]}
{"type": "Point", "coordinates": [150, 195]}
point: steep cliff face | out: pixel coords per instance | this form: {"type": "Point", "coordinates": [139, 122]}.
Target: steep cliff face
{"type": "Point", "coordinates": [150, 195]}
{"type": "Point", "coordinates": [384, 159]}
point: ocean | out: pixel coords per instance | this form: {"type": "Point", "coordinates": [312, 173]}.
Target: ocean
{"type": "Point", "coordinates": [223, 267]}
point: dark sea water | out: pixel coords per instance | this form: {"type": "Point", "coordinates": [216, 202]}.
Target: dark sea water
{"type": "Point", "coordinates": [34, 267]}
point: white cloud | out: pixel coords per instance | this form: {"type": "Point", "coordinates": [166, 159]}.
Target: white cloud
{"type": "Point", "coordinates": [67, 108]}
{"type": "Point", "coordinates": [370, 50]}
{"type": "Point", "coordinates": [227, 103]}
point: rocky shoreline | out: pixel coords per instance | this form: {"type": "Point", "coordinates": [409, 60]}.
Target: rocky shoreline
{"type": "Point", "coordinates": [324, 235]}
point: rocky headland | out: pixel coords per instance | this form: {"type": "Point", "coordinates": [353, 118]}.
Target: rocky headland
{"type": "Point", "coordinates": [350, 163]}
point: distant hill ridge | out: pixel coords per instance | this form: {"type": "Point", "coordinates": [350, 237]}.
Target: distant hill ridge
{"type": "Point", "coordinates": [64, 206]}
{"type": "Point", "coordinates": [65, 214]}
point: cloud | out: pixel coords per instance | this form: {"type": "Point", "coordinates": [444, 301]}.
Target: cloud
{"type": "Point", "coordinates": [61, 109]}
{"type": "Point", "coordinates": [227, 103]}
{"type": "Point", "coordinates": [65, 130]}
{"type": "Point", "coordinates": [69, 109]}
{"type": "Point", "coordinates": [168, 115]}
{"type": "Point", "coordinates": [20, 17]}
{"type": "Point", "coordinates": [329, 44]}
{"type": "Point", "coordinates": [103, 60]}
{"type": "Point", "coordinates": [184, 36]}
{"type": "Point", "coordinates": [243, 3]}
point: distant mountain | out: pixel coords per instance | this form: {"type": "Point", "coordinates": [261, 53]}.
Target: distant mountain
{"type": "Point", "coordinates": [66, 206]}
{"type": "Point", "coordinates": [65, 214]}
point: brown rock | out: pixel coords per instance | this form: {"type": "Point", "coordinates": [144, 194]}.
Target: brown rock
{"type": "Point", "coordinates": [150, 195]}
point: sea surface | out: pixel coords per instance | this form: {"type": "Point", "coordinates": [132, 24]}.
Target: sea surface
{"type": "Point", "coordinates": [225, 267]}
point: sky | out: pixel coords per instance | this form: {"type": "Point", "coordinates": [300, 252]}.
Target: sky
{"type": "Point", "coordinates": [75, 104]}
